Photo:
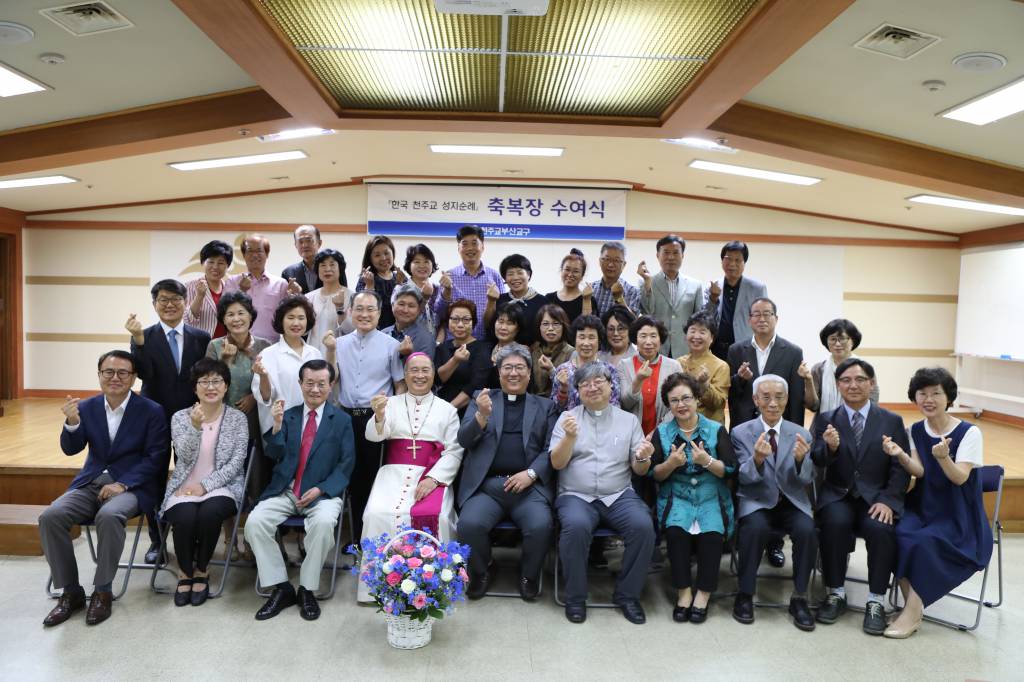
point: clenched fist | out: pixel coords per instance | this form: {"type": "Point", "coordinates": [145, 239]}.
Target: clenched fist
{"type": "Point", "coordinates": [570, 426]}
{"type": "Point", "coordinates": [801, 448]}
{"type": "Point", "coordinates": [483, 403]}
{"type": "Point", "coordinates": [378, 404]}
{"type": "Point", "coordinates": [70, 410]}
{"type": "Point", "coordinates": [831, 437]}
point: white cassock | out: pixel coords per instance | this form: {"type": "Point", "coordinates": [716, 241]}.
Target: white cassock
{"type": "Point", "coordinates": [419, 430]}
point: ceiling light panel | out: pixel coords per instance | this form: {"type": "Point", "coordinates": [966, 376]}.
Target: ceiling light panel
{"type": "Point", "coordinates": [774, 176]}
{"type": "Point", "coordinates": [504, 150]}
{"type": "Point", "coordinates": [15, 83]}
{"type": "Point", "coordinates": [951, 202]}
{"type": "Point", "coordinates": [36, 182]}
{"type": "Point", "coordinates": [249, 160]}
{"type": "Point", "coordinates": [1005, 101]}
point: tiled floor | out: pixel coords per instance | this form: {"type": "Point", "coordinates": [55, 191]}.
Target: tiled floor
{"type": "Point", "coordinates": [148, 638]}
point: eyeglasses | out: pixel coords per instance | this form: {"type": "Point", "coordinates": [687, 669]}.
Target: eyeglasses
{"type": "Point", "coordinates": [461, 320]}
{"type": "Point", "coordinates": [514, 369]}
{"type": "Point", "coordinates": [838, 338]}
{"type": "Point", "coordinates": [120, 373]}
{"type": "Point", "coordinates": [860, 381]}
{"type": "Point", "coordinates": [573, 272]}
{"type": "Point", "coordinates": [315, 385]}
{"type": "Point", "coordinates": [210, 383]}
{"type": "Point", "coordinates": [617, 330]}
{"type": "Point", "coordinates": [550, 325]}
{"type": "Point", "coordinates": [364, 309]}
{"type": "Point", "coordinates": [761, 316]}
{"type": "Point", "coordinates": [599, 382]}
{"type": "Point", "coordinates": [169, 300]}
{"type": "Point", "coordinates": [681, 400]}
{"type": "Point", "coordinates": [612, 261]}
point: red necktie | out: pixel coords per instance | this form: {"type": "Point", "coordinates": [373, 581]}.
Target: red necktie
{"type": "Point", "coordinates": [771, 441]}
{"type": "Point", "coordinates": [308, 436]}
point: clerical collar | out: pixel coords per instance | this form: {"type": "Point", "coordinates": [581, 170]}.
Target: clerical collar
{"type": "Point", "coordinates": [511, 397]}
{"type": "Point", "coordinates": [597, 413]}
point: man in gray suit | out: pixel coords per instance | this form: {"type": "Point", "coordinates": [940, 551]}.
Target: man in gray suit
{"type": "Point", "coordinates": [506, 472]}
{"type": "Point", "coordinates": [729, 298]}
{"type": "Point", "coordinates": [774, 476]}
{"type": "Point", "coordinates": [670, 296]}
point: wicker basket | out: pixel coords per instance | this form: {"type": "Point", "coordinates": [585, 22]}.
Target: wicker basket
{"type": "Point", "coordinates": [406, 633]}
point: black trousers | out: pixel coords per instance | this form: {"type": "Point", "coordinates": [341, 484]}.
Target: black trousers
{"type": "Point", "coordinates": [681, 547]}
{"type": "Point", "coordinates": [840, 523]}
{"type": "Point", "coordinates": [195, 528]}
{"type": "Point", "coordinates": [368, 456]}
{"type": "Point", "coordinates": [161, 489]}
{"type": "Point", "coordinates": [757, 529]}
{"type": "Point", "coordinates": [489, 506]}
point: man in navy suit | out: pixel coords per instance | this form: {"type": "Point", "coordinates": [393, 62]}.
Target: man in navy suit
{"type": "Point", "coordinates": [862, 493]}
{"type": "Point", "coordinates": [164, 354]}
{"type": "Point", "coordinates": [127, 437]}
{"type": "Point", "coordinates": [314, 448]}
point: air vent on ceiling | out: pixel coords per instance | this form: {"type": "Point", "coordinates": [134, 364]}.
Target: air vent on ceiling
{"type": "Point", "coordinates": [87, 18]}
{"type": "Point", "coordinates": [896, 42]}
{"type": "Point", "coordinates": [533, 8]}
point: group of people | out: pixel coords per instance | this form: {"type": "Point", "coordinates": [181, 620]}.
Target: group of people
{"type": "Point", "coordinates": [457, 404]}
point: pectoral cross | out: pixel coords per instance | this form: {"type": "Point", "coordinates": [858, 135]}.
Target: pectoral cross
{"type": "Point", "coordinates": [413, 447]}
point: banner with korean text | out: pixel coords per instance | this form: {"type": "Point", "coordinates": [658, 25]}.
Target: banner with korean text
{"type": "Point", "coordinates": [502, 211]}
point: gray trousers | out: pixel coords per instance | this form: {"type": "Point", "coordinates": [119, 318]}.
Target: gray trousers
{"type": "Point", "coordinates": [83, 506]}
{"type": "Point", "coordinates": [488, 507]}
{"type": "Point", "coordinates": [261, 527]}
{"type": "Point", "coordinates": [629, 517]}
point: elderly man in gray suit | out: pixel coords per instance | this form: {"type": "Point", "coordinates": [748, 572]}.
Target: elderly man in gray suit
{"type": "Point", "coordinates": [506, 472]}
{"type": "Point", "coordinates": [670, 296]}
{"type": "Point", "coordinates": [774, 476]}
{"type": "Point", "coordinates": [729, 298]}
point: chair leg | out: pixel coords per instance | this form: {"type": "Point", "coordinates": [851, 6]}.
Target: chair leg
{"type": "Point", "coordinates": [227, 558]}
{"type": "Point", "coordinates": [337, 554]}
{"type": "Point", "coordinates": [163, 552]}
{"type": "Point", "coordinates": [127, 568]}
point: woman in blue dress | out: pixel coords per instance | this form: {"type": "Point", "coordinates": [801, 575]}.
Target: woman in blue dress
{"type": "Point", "coordinates": [692, 459]}
{"type": "Point", "coordinates": [944, 536]}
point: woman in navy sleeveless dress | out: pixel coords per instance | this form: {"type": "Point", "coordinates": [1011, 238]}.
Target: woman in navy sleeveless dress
{"type": "Point", "coordinates": [944, 536]}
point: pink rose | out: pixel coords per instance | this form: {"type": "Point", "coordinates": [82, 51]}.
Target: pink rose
{"type": "Point", "coordinates": [420, 600]}
{"type": "Point", "coordinates": [442, 555]}
{"type": "Point", "coordinates": [427, 551]}
{"type": "Point", "coordinates": [398, 559]}
{"type": "Point", "coordinates": [393, 578]}
{"type": "Point", "coordinates": [463, 574]}
{"type": "Point", "coordinates": [408, 550]}
{"type": "Point", "coordinates": [414, 562]}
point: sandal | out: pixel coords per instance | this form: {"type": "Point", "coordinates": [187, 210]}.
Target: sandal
{"type": "Point", "coordinates": [200, 596]}
{"type": "Point", "coordinates": [183, 598]}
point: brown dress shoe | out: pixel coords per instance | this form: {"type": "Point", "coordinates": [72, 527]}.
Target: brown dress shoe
{"type": "Point", "coordinates": [99, 607]}
{"type": "Point", "coordinates": [67, 604]}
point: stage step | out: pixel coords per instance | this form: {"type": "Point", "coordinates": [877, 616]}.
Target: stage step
{"type": "Point", "coordinates": [19, 529]}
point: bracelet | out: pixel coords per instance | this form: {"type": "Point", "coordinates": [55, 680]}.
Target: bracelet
{"type": "Point", "coordinates": [708, 465]}
{"type": "Point", "coordinates": [641, 461]}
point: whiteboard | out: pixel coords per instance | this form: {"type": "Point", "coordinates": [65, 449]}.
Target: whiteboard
{"type": "Point", "coordinates": [990, 306]}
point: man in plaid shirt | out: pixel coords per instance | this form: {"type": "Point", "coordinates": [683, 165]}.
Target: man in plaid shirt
{"type": "Point", "coordinates": [472, 280]}
{"type": "Point", "coordinates": [612, 289]}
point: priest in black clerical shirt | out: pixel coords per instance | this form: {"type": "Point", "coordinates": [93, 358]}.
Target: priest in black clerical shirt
{"type": "Point", "coordinates": [506, 472]}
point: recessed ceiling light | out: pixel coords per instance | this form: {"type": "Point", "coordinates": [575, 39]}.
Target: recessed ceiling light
{"type": "Point", "coordinates": [1000, 103]}
{"type": "Point", "coordinates": [701, 143]}
{"type": "Point", "coordinates": [294, 134]}
{"type": "Point", "coordinates": [14, 83]}
{"type": "Point", "coordinates": [237, 160]}
{"type": "Point", "coordinates": [36, 182]}
{"type": "Point", "coordinates": [965, 203]}
{"type": "Point", "coordinates": [754, 172]}
{"type": "Point", "coordinates": [495, 149]}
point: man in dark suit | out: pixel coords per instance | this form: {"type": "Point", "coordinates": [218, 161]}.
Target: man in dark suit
{"type": "Point", "coordinates": [774, 497]}
{"type": "Point", "coordinates": [127, 438]}
{"type": "Point", "coordinates": [506, 472]}
{"type": "Point", "coordinates": [164, 354]}
{"type": "Point", "coordinates": [862, 493]}
{"type": "Point", "coordinates": [307, 243]}
{"type": "Point", "coordinates": [730, 296]}
{"type": "Point", "coordinates": [313, 447]}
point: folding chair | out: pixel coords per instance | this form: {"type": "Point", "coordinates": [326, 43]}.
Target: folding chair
{"type": "Point", "coordinates": [299, 522]}
{"type": "Point", "coordinates": [991, 482]}
{"type": "Point", "coordinates": [599, 532]}
{"type": "Point", "coordinates": [509, 526]}
{"type": "Point", "coordinates": [226, 562]}
{"type": "Point", "coordinates": [734, 571]}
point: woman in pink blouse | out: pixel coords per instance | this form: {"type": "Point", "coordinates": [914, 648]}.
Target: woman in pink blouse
{"type": "Point", "coordinates": [204, 294]}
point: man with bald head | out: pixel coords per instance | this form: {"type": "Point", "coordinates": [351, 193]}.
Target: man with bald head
{"type": "Point", "coordinates": [266, 291]}
{"type": "Point", "coordinates": [307, 244]}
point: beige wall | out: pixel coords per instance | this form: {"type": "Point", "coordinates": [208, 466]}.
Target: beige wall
{"type": "Point", "coordinates": [809, 281]}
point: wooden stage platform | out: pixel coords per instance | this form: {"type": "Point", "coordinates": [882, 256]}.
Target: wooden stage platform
{"type": "Point", "coordinates": [33, 470]}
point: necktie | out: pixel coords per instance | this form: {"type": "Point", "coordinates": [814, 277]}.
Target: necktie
{"type": "Point", "coordinates": [172, 341]}
{"type": "Point", "coordinates": [771, 441]}
{"type": "Point", "coordinates": [858, 427]}
{"type": "Point", "coordinates": [308, 436]}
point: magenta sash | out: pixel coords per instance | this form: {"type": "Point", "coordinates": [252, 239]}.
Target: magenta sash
{"type": "Point", "coordinates": [426, 512]}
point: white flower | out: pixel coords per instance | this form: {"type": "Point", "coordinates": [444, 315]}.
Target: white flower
{"type": "Point", "coordinates": [408, 586]}
{"type": "Point", "coordinates": [457, 558]}
{"type": "Point", "coordinates": [386, 568]}
{"type": "Point", "coordinates": [447, 575]}
{"type": "Point", "coordinates": [428, 569]}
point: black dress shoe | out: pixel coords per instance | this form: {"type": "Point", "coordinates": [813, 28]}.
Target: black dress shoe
{"type": "Point", "coordinates": [698, 616]}
{"type": "Point", "coordinates": [632, 610]}
{"type": "Point", "coordinates": [801, 613]}
{"type": "Point", "coordinates": [681, 614]}
{"type": "Point", "coordinates": [280, 599]}
{"type": "Point", "coordinates": [874, 618]}
{"type": "Point", "coordinates": [576, 613]}
{"type": "Point", "coordinates": [831, 609]}
{"type": "Point", "coordinates": [183, 598]}
{"type": "Point", "coordinates": [155, 556]}
{"type": "Point", "coordinates": [775, 556]}
{"type": "Point", "coordinates": [199, 598]}
{"type": "Point", "coordinates": [308, 608]}
{"type": "Point", "coordinates": [743, 608]}
{"type": "Point", "coordinates": [67, 604]}
{"type": "Point", "coordinates": [100, 604]}
{"type": "Point", "coordinates": [529, 589]}
{"type": "Point", "coordinates": [479, 584]}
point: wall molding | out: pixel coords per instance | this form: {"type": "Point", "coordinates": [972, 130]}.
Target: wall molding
{"type": "Point", "coordinates": [899, 298]}
{"type": "Point", "coordinates": [906, 352]}
{"type": "Point", "coordinates": [74, 337]}
{"type": "Point", "coordinates": [87, 281]}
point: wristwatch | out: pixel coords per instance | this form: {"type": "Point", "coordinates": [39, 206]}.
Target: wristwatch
{"type": "Point", "coordinates": [532, 474]}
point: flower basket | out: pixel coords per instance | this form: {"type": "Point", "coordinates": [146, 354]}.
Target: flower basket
{"type": "Point", "coordinates": [414, 578]}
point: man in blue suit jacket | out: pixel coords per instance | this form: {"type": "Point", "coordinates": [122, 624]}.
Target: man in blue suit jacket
{"type": "Point", "coordinates": [314, 448]}
{"type": "Point", "coordinates": [164, 354]}
{"type": "Point", "coordinates": [775, 476]}
{"type": "Point", "coordinates": [127, 436]}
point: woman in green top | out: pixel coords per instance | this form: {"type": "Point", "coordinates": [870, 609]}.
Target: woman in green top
{"type": "Point", "coordinates": [692, 459]}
